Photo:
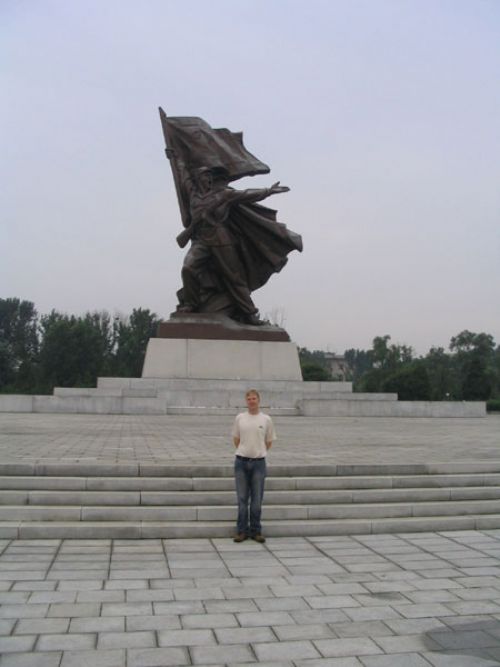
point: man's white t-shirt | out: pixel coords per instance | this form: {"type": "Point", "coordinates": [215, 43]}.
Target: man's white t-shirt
{"type": "Point", "coordinates": [253, 431]}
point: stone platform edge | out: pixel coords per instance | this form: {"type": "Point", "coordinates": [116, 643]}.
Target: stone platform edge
{"type": "Point", "coordinates": [105, 469]}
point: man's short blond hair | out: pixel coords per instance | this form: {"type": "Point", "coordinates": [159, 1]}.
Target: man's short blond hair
{"type": "Point", "coordinates": [252, 391]}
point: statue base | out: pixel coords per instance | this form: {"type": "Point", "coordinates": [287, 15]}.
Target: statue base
{"type": "Point", "coordinates": [215, 347]}
{"type": "Point", "coordinates": [214, 326]}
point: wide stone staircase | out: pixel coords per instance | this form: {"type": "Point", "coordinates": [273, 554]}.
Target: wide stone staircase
{"type": "Point", "coordinates": [85, 501]}
{"type": "Point", "coordinates": [188, 396]}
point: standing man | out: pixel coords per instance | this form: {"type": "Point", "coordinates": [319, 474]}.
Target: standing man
{"type": "Point", "coordinates": [253, 435]}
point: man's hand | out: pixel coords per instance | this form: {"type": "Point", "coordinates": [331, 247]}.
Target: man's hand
{"type": "Point", "coordinates": [276, 188]}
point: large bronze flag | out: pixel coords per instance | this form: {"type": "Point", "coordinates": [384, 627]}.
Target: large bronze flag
{"type": "Point", "coordinates": [199, 145]}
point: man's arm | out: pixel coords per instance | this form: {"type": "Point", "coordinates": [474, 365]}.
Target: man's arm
{"type": "Point", "coordinates": [270, 434]}
{"type": "Point", "coordinates": [254, 195]}
{"type": "Point", "coordinates": [236, 442]}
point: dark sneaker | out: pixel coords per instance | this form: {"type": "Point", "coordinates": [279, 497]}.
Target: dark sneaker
{"type": "Point", "coordinates": [241, 537]}
{"type": "Point", "coordinates": [259, 538]}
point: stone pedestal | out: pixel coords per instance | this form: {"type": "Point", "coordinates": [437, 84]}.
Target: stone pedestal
{"type": "Point", "coordinates": [221, 359]}
{"type": "Point", "coordinates": [215, 347]}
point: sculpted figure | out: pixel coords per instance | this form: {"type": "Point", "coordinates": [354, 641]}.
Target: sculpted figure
{"type": "Point", "coordinates": [236, 244]}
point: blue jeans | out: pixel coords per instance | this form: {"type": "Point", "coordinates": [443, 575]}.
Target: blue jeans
{"type": "Point", "coordinates": [249, 476]}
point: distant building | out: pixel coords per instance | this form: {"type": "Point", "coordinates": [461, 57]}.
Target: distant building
{"type": "Point", "coordinates": [338, 366]}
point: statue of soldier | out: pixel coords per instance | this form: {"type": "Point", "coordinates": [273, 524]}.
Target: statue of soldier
{"type": "Point", "coordinates": [236, 243]}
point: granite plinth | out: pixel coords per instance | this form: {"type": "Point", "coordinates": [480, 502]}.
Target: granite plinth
{"type": "Point", "coordinates": [212, 326]}
{"type": "Point", "coordinates": [221, 359]}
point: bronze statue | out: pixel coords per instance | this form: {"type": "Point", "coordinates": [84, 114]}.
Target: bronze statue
{"type": "Point", "coordinates": [236, 243]}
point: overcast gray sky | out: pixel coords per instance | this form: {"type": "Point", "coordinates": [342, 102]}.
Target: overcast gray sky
{"type": "Point", "coordinates": [383, 117]}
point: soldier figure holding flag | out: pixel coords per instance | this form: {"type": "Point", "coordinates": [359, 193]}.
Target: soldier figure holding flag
{"type": "Point", "coordinates": [236, 244]}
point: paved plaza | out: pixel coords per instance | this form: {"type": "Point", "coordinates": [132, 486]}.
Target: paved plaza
{"type": "Point", "coordinates": [409, 599]}
{"type": "Point", "coordinates": [205, 440]}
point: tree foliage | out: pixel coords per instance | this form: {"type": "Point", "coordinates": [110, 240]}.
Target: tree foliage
{"type": "Point", "coordinates": [469, 371]}
{"type": "Point", "coordinates": [38, 353]}
{"type": "Point", "coordinates": [57, 349]}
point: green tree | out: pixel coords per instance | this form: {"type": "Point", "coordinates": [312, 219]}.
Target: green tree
{"type": "Point", "coordinates": [386, 360]}
{"type": "Point", "coordinates": [476, 363]}
{"type": "Point", "coordinates": [73, 349]}
{"type": "Point", "coordinates": [442, 374]}
{"type": "Point", "coordinates": [314, 371]}
{"type": "Point", "coordinates": [132, 335]}
{"type": "Point", "coordinates": [18, 344]}
{"type": "Point", "coordinates": [360, 362]}
{"type": "Point", "coordinates": [410, 382]}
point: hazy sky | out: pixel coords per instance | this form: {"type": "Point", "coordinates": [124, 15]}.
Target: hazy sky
{"type": "Point", "coordinates": [383, 117]}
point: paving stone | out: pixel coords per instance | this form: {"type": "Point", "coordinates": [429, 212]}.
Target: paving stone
{"type": "Point", "coordinates": [66, 642]}
{"type": "Point", "coordinates": [70, 610]}
{"type": "Point", "coordinates": [6, 625]}
{"type": "Point", "coordinates": [187, 607]}
{"type": "Point", "coordinates": [249, 591]}
{"type": "Point", "coordinates": [52, 596]}
{"type": "Point", "coordinates": [432, 596]}
{"type": "Point", "coordinates": [331, 601]}
{"type": "Point", "coordinates": [376, 599]}
{"type": "Point", "coordinates": [361, 629]}
{"type": "Point", "coordinates": [34, 586]}
{"type": "Point", "coordinates": [414, 626]}
{"type": "Point", "coordinates": [378, 613]}
{"type": "Point", "coordinates": [286, 650]}
{"type": "Point", "coordinates": [229, 606]}
{"type": "Point", "coordinates": [199, 594]}
{"type": "Point", "coordinates": [17, 644]}
{"type": "Point", "coordinates": [116, 658]}
{"type": "Point", "coordinates": [156, 595]}
{"type": "Point", "coordinates": [14, 597]}
{"type": "Point", "coordinates": [291, 632]}
{"type": "Point", "coordinates": [346, 647]}
{"type": "Point", "coordinates": [80, 585]}
{"type": "Point", "coordinates": [307, 617]}
{"type": "Point", "coordinates": [408, 643]}
{"type": "Point", "coordinates": [109, 640]}
{"type": "Point", "coordinates": [255, 619]}
{"type": "Point", "coordinates": [394, 660]}
{"type": "Point", "coordinates": [155, 657]}
{"type": "Point", "coordinates": [100, 596]}
{"type": "Point", "coordinates": [99, 624]}
{"type": "Point", "coordinates": [127, 609]}
{"type": "Point", "coordinates": [328, 662]}
{"type": "Point", "coordinates": [459, 660]}
{"type": "Point", "coordinates": [344, 589]}
{"type": "Point", "coordinates": [137, 623]}
{"type": "Point", "coordinates": [186, 638]}
{"type": "Point", "coordinates": [192, 621]}
{"type": "Point", "coordinates": [23, 610]}
{"type": "Point", "coordinates": [126, 584]}
{"type": "Point", "coordinates": [473, 607]}
{"type": "Point", "coordinates": [244, 635]}
{"type": "Point", "coordinates": [461, 639]}
{"type": "Point", "coordinates": [281, 604]}
{"type": "Point", "coordinates": [212, 655]}
{"type": "Point", "coordinates": [31, 659]}
{"type": "Point", "coordinates": [423, 610]}
{"type": "Point", "coordinates": [39, 626]}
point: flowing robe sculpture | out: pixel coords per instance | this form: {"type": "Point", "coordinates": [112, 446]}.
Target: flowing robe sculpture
{"type": "Point", "coordinates": [236, 243]}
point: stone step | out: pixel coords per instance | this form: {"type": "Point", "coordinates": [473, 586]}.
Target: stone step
{"type": "Point", "coordinates": [145, 500]}
{"type": "Point", "coordinates": [227, 411]}
{"type": "Point", "coordinates": [430, 474]}
{"type": "Point", "coordinates": [220, 529]}
{"type": "Point", "coordinates": [48, 513]}
{"type": "Point", "coordinates": [173, 484]}
{"type": "Point", "coordinates": [188, 497]}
